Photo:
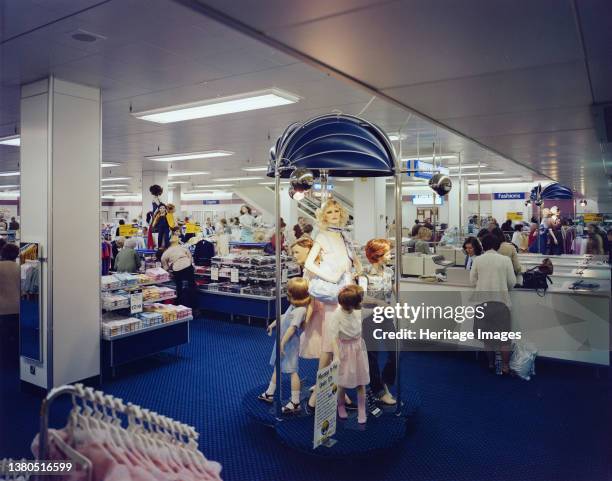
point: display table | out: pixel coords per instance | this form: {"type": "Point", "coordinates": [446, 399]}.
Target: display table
{"type": "Point", "coordinates": [239, 304]}
{"type": "Point", "coordinates": [117, 350]}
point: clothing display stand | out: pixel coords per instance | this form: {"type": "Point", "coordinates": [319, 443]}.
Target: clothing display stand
{"type": "Point", "coordinates": [338, 146]}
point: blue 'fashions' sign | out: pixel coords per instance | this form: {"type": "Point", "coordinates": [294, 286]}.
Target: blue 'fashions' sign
{"type": "Point", "coordinates": [508, 195]}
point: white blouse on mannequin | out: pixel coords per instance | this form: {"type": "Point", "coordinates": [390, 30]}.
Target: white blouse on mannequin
{"type": "Point", "coordinates": [335, 259]}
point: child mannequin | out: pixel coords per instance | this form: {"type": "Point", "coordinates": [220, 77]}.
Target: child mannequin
{"type": "Point", "coordinates": [350, 350]}
{"type": "Point", "coordinates": [296, 315]}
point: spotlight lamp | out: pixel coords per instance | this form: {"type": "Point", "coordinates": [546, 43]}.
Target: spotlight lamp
{"type": "Point", "coordinates": [583, 202]}
{"type": "Point", "coordinates": [441, 184]}
{"type": "Point", "coordinates": [528, 202]}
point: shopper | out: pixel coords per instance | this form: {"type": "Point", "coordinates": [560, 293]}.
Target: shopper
{"type": "Point", "coordinates": [532, 243]}
{"type": "Point", "coordinates": [298, 229]}
{"type": "Point", "coordinates": [422, 243]}
{"type": "Point", "coordinates": [506, 227]}
{"type": "Point", "coordinates": [9, 303]}
{"type": "Point", "coordinates": [177, 259]}
{"type": "Point", "coordinates": [595, 241]}
{"type": "Point", "coordinates": [555, 244]}
{"type": "Point", "coordinates": [472, 249]}
{"type": "Point", "coordinates": [13, 225]}
{"type": "Point", "coordinates": [224, 228]}
{"type": "Point", "coordinates": [118, 230]}
{"type": "Point", "coordinates": [517, 236]}
{"type": "Point", "coordinates": [3, 225]}
{"type": "Point", "coordinates": [415, 228]}
{"type": "Point", "coordinates": [271, 247]}
{"type": "Point", "coordinates": [493, 277]}
{"type": "Point", "coordinates": [127, 260]}
{"type": "Point", "coordinates": [308, 228]}
{"type": "Point", "coordinates": [116, 246]}
{"type": "Point", "coordinates": [507, 249]}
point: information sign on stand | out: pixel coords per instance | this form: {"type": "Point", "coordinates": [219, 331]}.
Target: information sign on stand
{"type": "Point", "coordinates": [136, 302]}
{"type": "Point", "coordinates": [326, 393]}
{"type": "Point", "coordinates": [593, 218]}
{"type": "Point", "coordinates": [214, 273]}
{"type": "Point", "coordinates": [234, 275]}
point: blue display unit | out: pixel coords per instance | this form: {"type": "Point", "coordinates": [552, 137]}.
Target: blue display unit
{"type": "Point", "coordinates": [239, 304]}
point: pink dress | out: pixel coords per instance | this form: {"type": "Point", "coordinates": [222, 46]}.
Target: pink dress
{"type": "Point", "coordinates": [353, 355]}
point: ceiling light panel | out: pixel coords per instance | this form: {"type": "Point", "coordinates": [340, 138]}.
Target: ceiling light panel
{"type": "Point", "coordinates": [190, 156]}
{"type": "Point", "coordinates": [12, 140]}
{"type": "Point", "coordinates": [220, 106]}
{"type": "Point", "coordinates": [182, 174]}
{"type": "Point", "coordinates": [263, 168]}
{"type": "Point", "coordinates": [110, 164]}
{"type": "Point", "coordinates": [110, 179]}
{"type": "Point", "coordinates": [232, 179]}
{"type": "Point", "coordinates": [10, 174]}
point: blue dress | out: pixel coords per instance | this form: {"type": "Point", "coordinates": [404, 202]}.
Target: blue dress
{"type": "Point", "coordinates": [294, 316]}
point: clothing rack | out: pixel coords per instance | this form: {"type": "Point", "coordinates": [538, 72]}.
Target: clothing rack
{"type": "Point", "coordinates": [4, 470]}
{"type": "Point", "coordinates": [104, 411]}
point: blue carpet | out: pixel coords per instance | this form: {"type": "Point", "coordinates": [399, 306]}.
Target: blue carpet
{"type": "Point", "coordinates": [471, 425]}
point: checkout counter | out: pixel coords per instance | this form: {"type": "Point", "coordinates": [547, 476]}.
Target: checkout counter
{"type": "Point", "coordinates": [564, 323]}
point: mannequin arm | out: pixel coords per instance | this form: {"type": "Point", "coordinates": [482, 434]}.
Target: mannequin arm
{"type": "Point", "coordinates": [309, 311]}
{"type": "Point", "coordinates": [288, 335]}
{"type": "Point", "coordinates": [314, 268]}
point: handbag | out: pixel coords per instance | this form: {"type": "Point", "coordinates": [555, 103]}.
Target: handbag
{"type": "Point", "coordinates": [323, 290]}
{"type": "Point", "coordinates": [537, 279]}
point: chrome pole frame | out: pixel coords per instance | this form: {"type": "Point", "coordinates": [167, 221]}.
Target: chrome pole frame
{"type": "Point", "coordinates": [398, 266]}
{"type": "Point", "coordinates": [278, 293]}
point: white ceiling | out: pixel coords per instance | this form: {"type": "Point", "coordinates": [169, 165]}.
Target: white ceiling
{"type": "Point", "coordinates": [156, 53]}
{"type": "Point", "coordinates": [517, 76]}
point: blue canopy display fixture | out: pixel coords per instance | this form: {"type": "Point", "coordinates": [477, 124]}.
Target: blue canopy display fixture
{"type": "Point", "coordinates": [341, 145]}
{"type": "Point", "coordinates": [553, 191]}
{"type": "Point", "coordinates": [337, 145]}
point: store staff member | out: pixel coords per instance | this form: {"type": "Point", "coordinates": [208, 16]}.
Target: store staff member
{"type": "Point", "coordinates": [178, 260]}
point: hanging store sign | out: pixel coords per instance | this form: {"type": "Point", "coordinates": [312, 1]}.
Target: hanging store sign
{"type": "Point", "coordinates": [423, 170]}
{"type": "Point", "coordinates": [593, 218]}
{"type": "Point", "coordinates": [211, 202]}
{"type": "Point", "coordinates": [514, 216]}
{"type": "Point", "coordinates": [326, 393]}
{"type": "Point", "coordinates": [508, 195]}
{"type": "Point", "coordinates": [426, 200]}
{"type": "Point", "coordinates": [127, 230]}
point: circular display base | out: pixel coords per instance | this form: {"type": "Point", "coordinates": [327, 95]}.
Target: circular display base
{"type": "Point", "coordinates": [351, 440]}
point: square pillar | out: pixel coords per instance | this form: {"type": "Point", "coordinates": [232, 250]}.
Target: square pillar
{"type": "Point", "coordinates": [369, 208]}
{"type": "Point", "coordinates": [60, 210]}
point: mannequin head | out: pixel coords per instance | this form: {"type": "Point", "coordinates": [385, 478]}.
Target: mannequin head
{"type": "Point", "coordinates": [332, 214]}
{"type": "Point", "coordinates": [378, 251]}
{"type": "Point", "coordinates": [350, 297]}
{"type": "Point", "coordinates": [245, 209]}
{"type": "Point", "coordinates": [162, 210]}
{"type": "Point", "coordinates": [297, 292]}
{"type": "Point", "coordinates": [300, 250]}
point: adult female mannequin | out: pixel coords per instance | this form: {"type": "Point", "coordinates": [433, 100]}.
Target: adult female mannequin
{"type": "Point", "coordinates": [336, 261]}
{"type": "Point", "coordinates": [246, 216]}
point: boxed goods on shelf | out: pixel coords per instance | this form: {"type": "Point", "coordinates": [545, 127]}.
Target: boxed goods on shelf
{"type": "Point", "coordinates": [157, 274]}
{"type": "Point", "coordinates": [115, 300]}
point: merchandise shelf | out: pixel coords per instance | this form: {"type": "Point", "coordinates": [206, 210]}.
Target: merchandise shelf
{"type": "Point", "coordinates": [146, 329]}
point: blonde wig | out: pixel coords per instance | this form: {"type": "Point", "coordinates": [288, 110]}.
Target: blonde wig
{"type": "Point", "coordinates": [330, 203]}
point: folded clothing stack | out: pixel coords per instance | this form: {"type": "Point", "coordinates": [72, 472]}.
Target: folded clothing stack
{"type": "Point", "coordinates": [126, 280]}
{"type": "Point", "coordinates": [150, 318]}
{"type": "Point", "coordinates": [157, 274]}
{"type": "Point", "coordinates": [155, 293]}
{"type": "Point", "coordinates": [117, 327]}
{"type": "Point", "coordinates": [200, 270]}
{"type": "Point", "coordinates": [143, 279]}
{"type": "Point", "coordinates": [110, 282]}
{"type": "Point", "coordinates": [115, 300]}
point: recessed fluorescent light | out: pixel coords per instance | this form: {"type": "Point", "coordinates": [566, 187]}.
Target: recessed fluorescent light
{"type": "Point", "coordinates": [114, 185]}
{"type": "Point", "coordinates": [476, 174]}
{"type": "Point", "coordinates": [273, 182]}
{"type": "Point", "coordinates": [396, 137]}
{"type": "Point", "coordinates": [176, 182]}
{"type": "Point", "coordinates": [263, 168]}
{"type": "Point", "coordinates": [126, 194]}
{"type": "Point", "coordinates": [501, 181]}
{"type": "Point", "coordinates": [13, 186]}
{"type": "Point", "coordinates": [212, 186]}
{"type": "Point", "coordinates": [13, 140]}
{"type": "Point", "coordinates": [108, 197]}
{"type": "Point", "coordinates": [112, 190]}
{"type": "Point", "coordinates": [203, 191]}
{"type": "Point", "coordinates": [220, 106]}
{"type": "Point", "coordinates": [110, 179]}
{"type": "Point", "coordinates": [179, 174]}
{"type": "Point", "coordinates": [110, 164]}
{"type": "Point", "coordinates": [9, 174]}
{"type": "Point", "coordinates": [343, 179]}
{"type": "Point", "coordinates": [466, 166]}
{"type": "Point", "coordinates": [190, 156]}
{"type": "Point", "coordinates": [232, 179]}
{"type": "Point", "coordinates": [428, 157]}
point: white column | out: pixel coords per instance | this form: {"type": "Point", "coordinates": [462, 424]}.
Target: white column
{"type": "Point", "coordinates": [149, 178]}
{"type": "Point", "coordinates": [174, 197]}
{"type": "Point", "coordinates": [60, 210]}
{"type": "Point", "coordinates": [369, 210]}
{"type": "Point", "coordinates": [458, 203]}
{"type": "Point", "coordinates": [288, 210]}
